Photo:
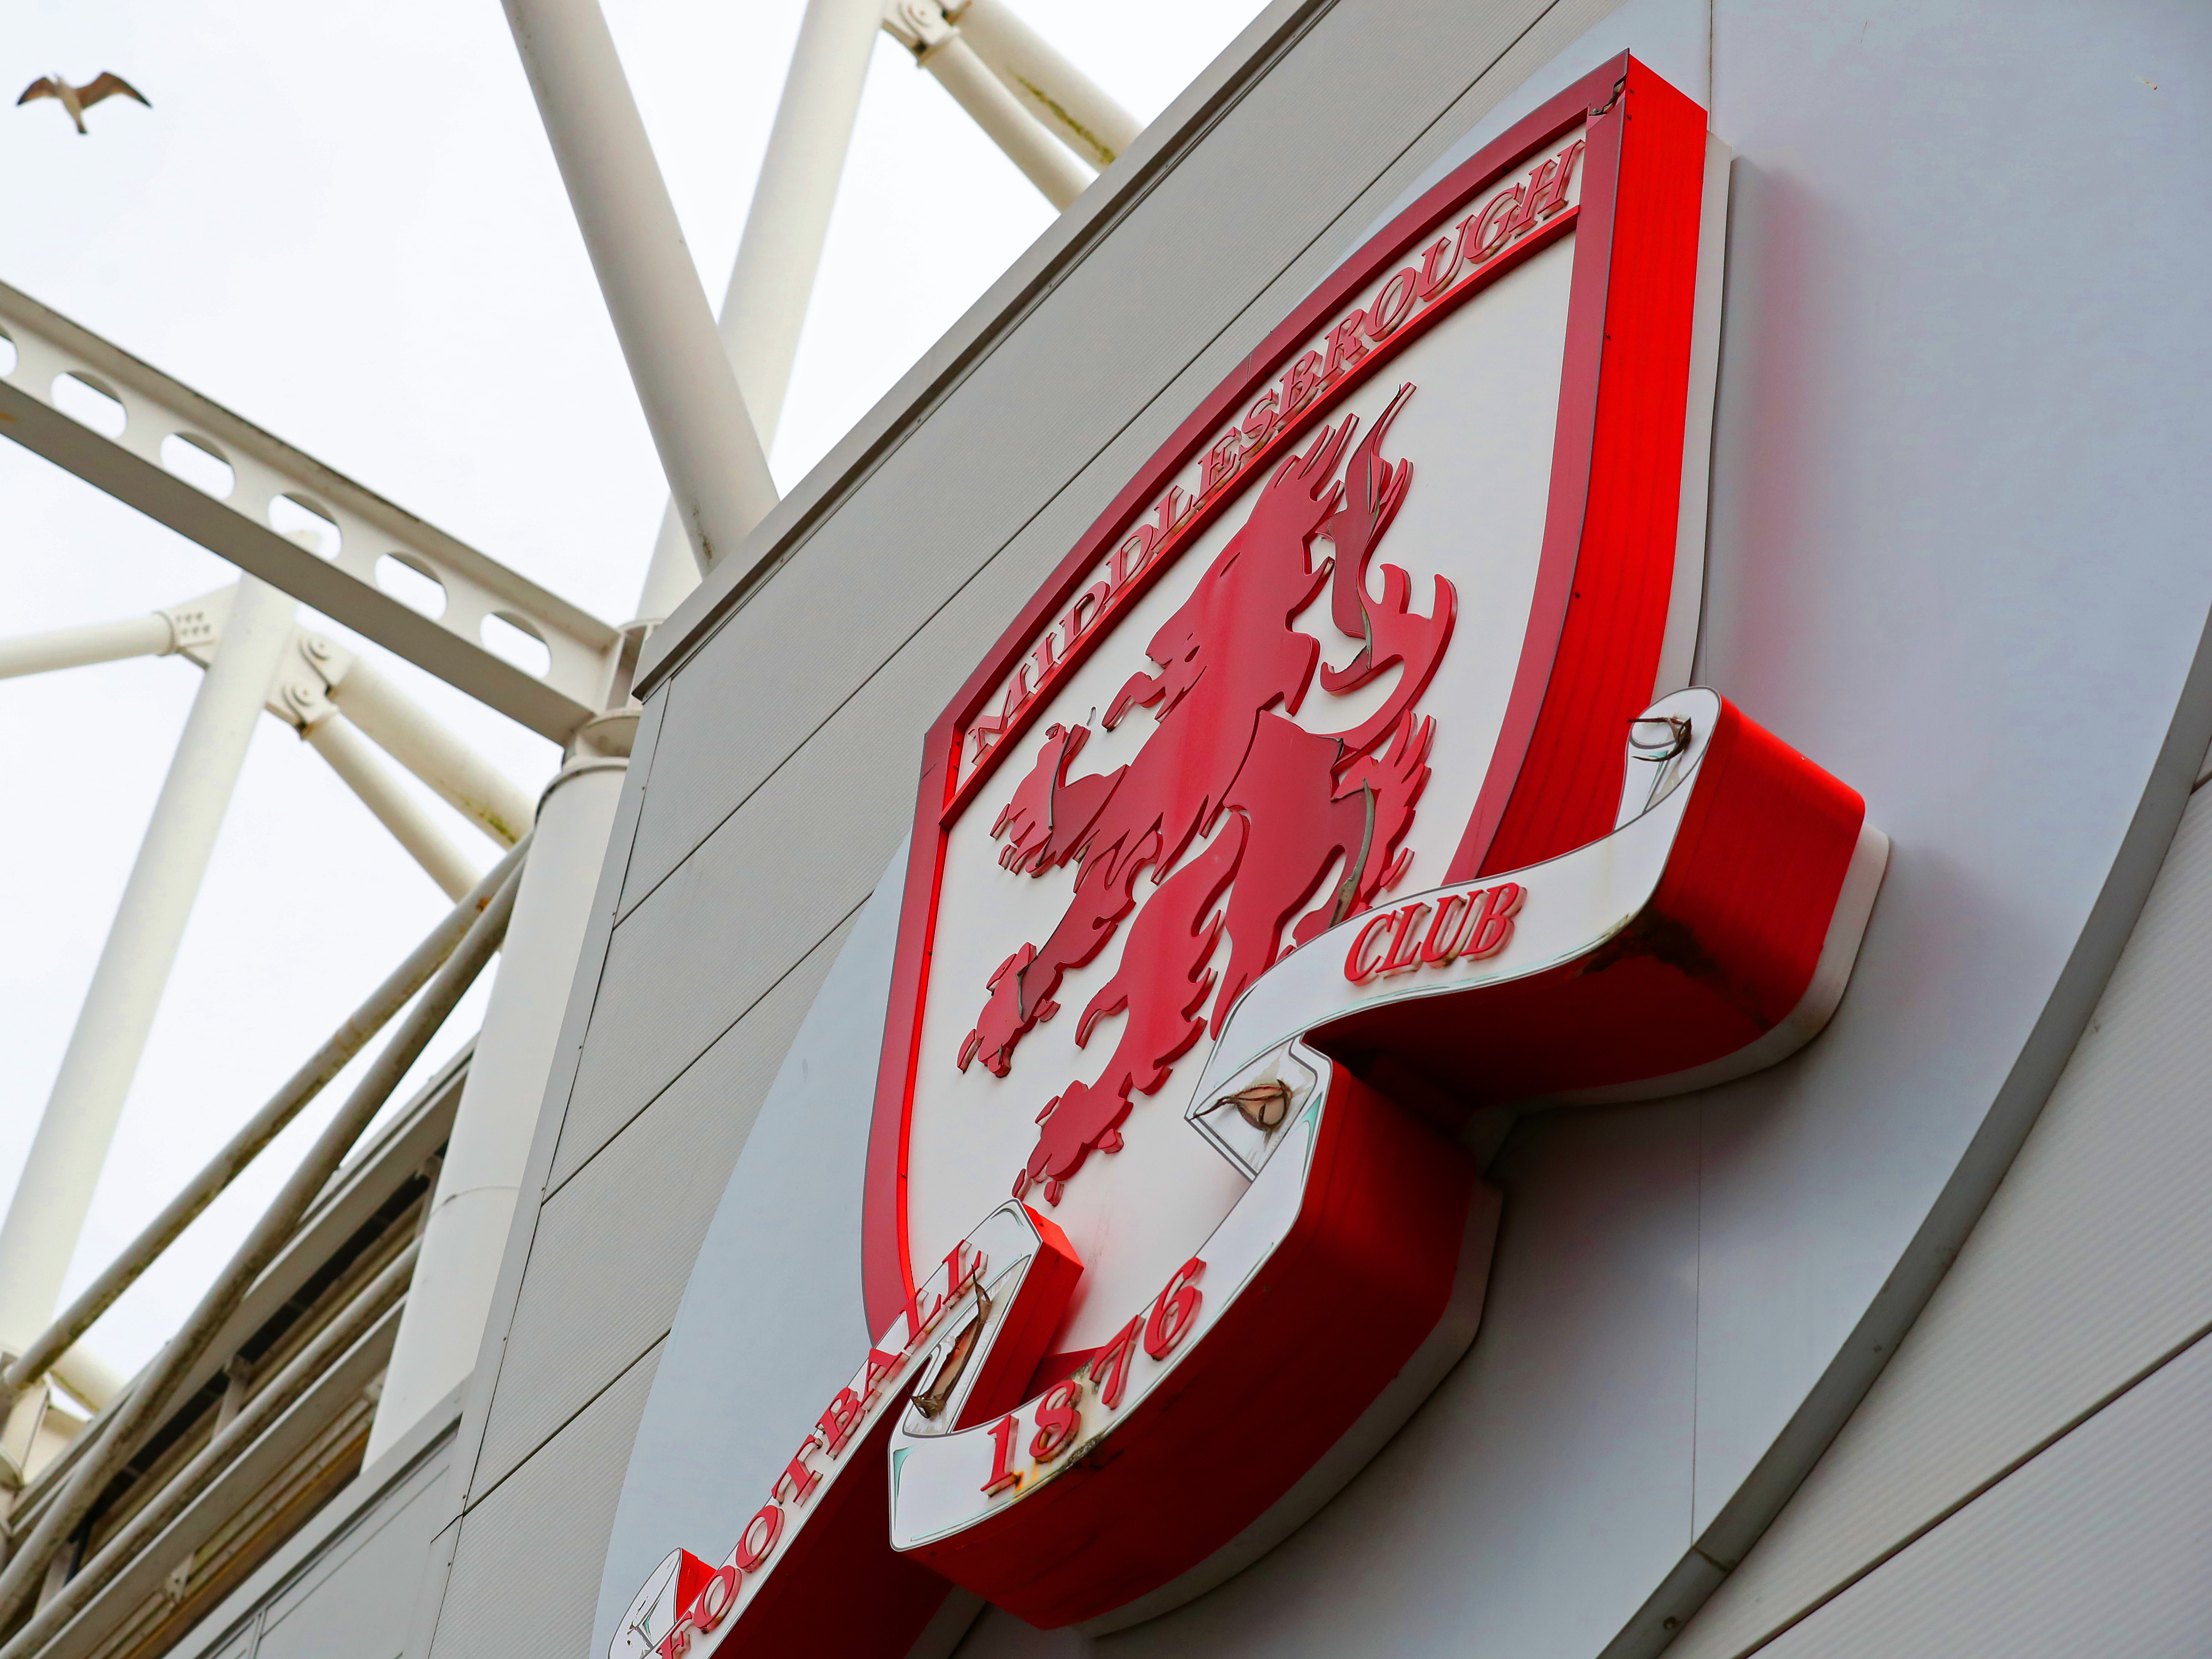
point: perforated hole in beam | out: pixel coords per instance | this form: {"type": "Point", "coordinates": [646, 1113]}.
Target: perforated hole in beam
{"type": "Point", "coordinates": [91, 405]}
{"type": "Point", "coordinates": [306, 524]}
{"type": "Point", "coordinates": [513, 640]}
{"type": "Point", "coordinates": [198, 463]}
{"type": "Point", "coordinates": [7, 353]}
{"type": "Point", "coordinates": [412, 585]}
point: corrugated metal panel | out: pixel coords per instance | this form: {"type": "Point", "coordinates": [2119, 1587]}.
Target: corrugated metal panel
{"type": "Point", "coordinates": [2101, 1545]}
{"type": "Point", "coordinates": [614, 1245]}
{"type": "Point", "coordinates": [1339, 112]}
{"type": "Point", "coordinates": [526, 1568]}
{"type": "Point", "coordinates": [2093, 1261]}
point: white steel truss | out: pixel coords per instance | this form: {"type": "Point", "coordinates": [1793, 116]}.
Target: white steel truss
{"type": "Point", "coordinates": [367, 528]}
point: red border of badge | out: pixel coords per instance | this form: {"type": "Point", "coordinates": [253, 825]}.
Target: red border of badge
{"type": "Point", "coordinates": [1604, 581]}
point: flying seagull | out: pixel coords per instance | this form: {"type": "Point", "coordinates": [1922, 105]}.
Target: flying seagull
{"type": "Point", "coordinates": [77, 99]}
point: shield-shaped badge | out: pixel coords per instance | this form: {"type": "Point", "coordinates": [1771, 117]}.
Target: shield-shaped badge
{"type": "Point", "coordinates": [1342, 790]}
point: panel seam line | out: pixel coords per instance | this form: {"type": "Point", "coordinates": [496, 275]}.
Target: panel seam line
{"type": "Point", "coordinates": [476, 1502]}
{"type": "Point", "coordinates": [737, 1019]}
{"type": "Point", "coordinates": [1980, 1490]}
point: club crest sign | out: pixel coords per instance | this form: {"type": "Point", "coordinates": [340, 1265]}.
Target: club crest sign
{"type": "Point", "coordinates": [1342, 785]}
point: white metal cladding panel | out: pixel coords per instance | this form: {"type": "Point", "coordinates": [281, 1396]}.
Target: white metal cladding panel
{"type": "Point", "coordinates": [315, 1569]}
{"type": "Point", "coordinates": [1355, 106]}
{"type": "Point", "coordinates": [526, 1567]}
{"type": "Point", "coordinates": [355, 1599]}
{"type": "Point", "coordinates": [774, 881]}
{"type": "Point", "coordinates": [2093, 1262]}
{"type": "Point", "coordinates": [755, 1046]}
{"type": "Point", "coordinates": [614, 1246]}
{"type": "Point", "coordinates": [2101, 1548]}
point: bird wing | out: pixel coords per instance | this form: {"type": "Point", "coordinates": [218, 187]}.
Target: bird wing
{"type": "Point", "coordinates": [41, 88]}
{"type": "Point", "coordinates": [105, 85]}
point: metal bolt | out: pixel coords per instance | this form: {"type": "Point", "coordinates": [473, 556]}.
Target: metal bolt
{"type": "Point", "coordinates": [319, 647]}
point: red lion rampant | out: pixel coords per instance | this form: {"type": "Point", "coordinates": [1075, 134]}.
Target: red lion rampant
{"type": "Point", "coordinates": [1284, 806]}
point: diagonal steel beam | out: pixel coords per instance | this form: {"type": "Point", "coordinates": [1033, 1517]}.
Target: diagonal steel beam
{"type": "Point", "coordinates": [130, 466]}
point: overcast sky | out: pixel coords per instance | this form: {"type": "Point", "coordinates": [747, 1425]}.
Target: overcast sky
{"type": "Point", "coordinates": [342, 221]}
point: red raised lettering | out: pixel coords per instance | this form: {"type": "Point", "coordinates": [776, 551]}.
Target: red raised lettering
{"type": "Point", "coordinates": [1436, 273]}
{"type": "Point", "coordinates": [1174, 509]}
{"type": "Point", "coordinates": [880, 1365]}
{"type": "Point", "coordinates": [715, 1598]}
{"type": "Point", "coordinates": [1220, 465]}
{"type": "Point", "coordinates": [1002, 1456]}
{"type": "Point", "coordinates": [838, 1423]}
{"type": "Point", "coordinates": [1451, 911]}
{"type": "Point", "coordinates": [1174, 1312]}
{"type": "Point", "coordinates": [1045, 654]}
{"type": "Point", "coordinates": [677, 1642]}
{"type": "Point", "coordinates": [1357, 968]}
{"type": "Point", "coordinates": [803, 1479]}
{"type": "Point", "coordinates": [1059, 1413]}
{"type": "Point", "coordinates": [1346, 347]}
{"type": "Point", "coordinates": [1121, 567]}
{"type": "Point", "coordinates": [956, 1277]}
{"type": "Point", "coordinates": [917, 1320]}
{"type": "Point", "coordinates": [1110, 1369]}
{"type": "Point", "coordinates": [1405, 943]}
{"type": "Point", "coordinates": [1393, 305]}
{"type": "Point", "coordinates": [989, 728]}
{"type": "Point", "coordinates": [1492, 228]}
{"type": "Point", "coordinates": [1546, 192]}
{"type": "Point", "coordinates": [1300, 383]}
{"type": "Point", "coordinates": [758, 1538]}
{"type": "Point", "coordinates": [1096, 596]}
{"type": "Point", "coordinates": [1259, 427]}
{"type": "Point", "coordinates": [1493, 923]}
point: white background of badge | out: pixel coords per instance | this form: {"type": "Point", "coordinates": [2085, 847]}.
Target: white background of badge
{"type": "Point", "coordinates": [1479, 433]}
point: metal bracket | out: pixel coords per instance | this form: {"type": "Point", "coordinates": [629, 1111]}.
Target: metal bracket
{"type": "Point", "coordinates": [340, 580]}
{"type": "Point", "coordinates": [299, 690]}
{"type": "Point", "coordinates": [920, 26]}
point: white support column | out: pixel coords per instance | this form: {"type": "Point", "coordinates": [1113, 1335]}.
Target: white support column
{"type": "Point", "coordinates": [55, 1190]}
{"type": "Point", "coordinates": [765, 304]}
{"type": "Point", "coordinates": [352, 757]}
{"type": "Point", "coordinates": [1013, 129]}
{"type": "Point", "coordinates": [482, 1175]}
{"type": "Point", "coordinates": [708, 448]}
{"type": "Point", "coordinates": [1079, 111]}
{"type": "Point", "coordinates": [401, 727]}
{"type": "Point", "coordinates": [920, 26]}
{"type": "Point", "coordinates": [74, 647]}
